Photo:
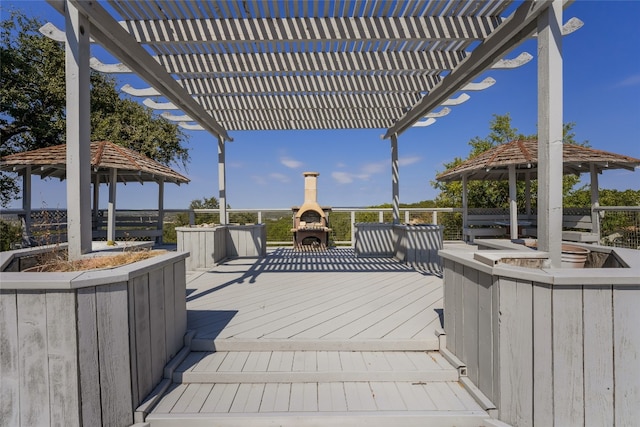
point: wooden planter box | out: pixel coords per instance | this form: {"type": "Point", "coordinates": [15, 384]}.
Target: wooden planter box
{"type": "Point", "coordinates": [416, 245]}
{"type": "Point", "coordinates": [548, 347]}
{"type": "Point", "coordinates": [210, 245]}
{"type": "Point", "coordinates": [86, 348]}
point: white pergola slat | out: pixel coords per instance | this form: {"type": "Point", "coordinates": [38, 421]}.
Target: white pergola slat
{"type": "Point", "coordinates": [235, 57]}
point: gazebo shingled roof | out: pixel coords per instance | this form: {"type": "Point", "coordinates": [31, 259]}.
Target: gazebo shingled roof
{"type": "Point", "coordinates": [132, 166]}
{"type": "Point", "coordinates": [493, 164]}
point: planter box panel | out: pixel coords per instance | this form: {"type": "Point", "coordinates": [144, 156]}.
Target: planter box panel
{"type": "Point", "coordinates": [114, 354]}
{"type": "Point", "coordinates": [88, 359]}
{"type": "Point", "coordinates": [10, 384]}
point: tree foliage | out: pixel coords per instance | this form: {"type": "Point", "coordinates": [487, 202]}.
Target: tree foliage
{"type": "Point", "coordinates": [33, 104]}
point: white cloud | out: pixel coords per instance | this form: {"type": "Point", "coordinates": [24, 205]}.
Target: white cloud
{"type": "Point", "coordinates": [290, 163]}
{"type": "Point", "coordinates": [404, 161]}
{"type": "Point", "coordinates": [279, 177]}
{"type": "Point", "coordinates": [342, 177]}
{"type": "Point", "coordinates": [259, 180]}
{"type": "Point", "coordinates": [373, 168]}
{"type": "Point", "coordinates": [629, 81]}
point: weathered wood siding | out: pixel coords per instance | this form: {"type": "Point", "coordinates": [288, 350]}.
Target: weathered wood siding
{"type": "Point", "coordinates": [210, 245]}
{"type": "Point", "coordinates": [374, 239]}
{"type": "Point", "coordinates": [546, 354]}
{"type": "Point", "coordinates": [246, 241]}
{"type": "Point", "coordinates": [416, 245]}
{"type": "Point", "coordinates": [206, 245]}
{"type": "Point", "coordinates": [90, 351]}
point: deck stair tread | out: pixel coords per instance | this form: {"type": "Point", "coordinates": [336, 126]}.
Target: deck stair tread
{"type": "Point", "coordinates": [314, 366]}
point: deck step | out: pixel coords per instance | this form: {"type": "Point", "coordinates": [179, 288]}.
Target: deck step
{"type": "Point", "coordinates": [439, 403]}
{"type": "Point", "coordinates": [346, 419]}
{"type": "Point", "coordinates": [304, 388]}
{"type": "Point", "coordinates": [314, 366]}
{"type": "Point", "coordinates": [262, 344]}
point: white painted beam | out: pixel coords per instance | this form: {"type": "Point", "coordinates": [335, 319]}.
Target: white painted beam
{"type": "Point", "coordinates": [123, 46]}
{"type": "Point", "coordinates": [513, 31]}
{"type": "Point", "coordinates": [111, 207]}
{"type": "Point", "coordinates": [78, 133]}
{"type": "Point", "coordinates": [550, 136]}
{"type": "Point", "coordinates": [513, 202]}
{"type": "Point", "coordinates": [395, 180]}
{"type": "Point", "coordinates": [222, 182]}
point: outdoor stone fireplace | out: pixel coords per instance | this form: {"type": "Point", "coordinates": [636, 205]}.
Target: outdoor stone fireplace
{"type": "Point", "coordinates": [311, 221]}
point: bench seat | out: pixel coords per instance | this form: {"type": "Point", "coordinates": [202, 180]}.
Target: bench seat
{"type": "Point", "coordinates": [470, 233]}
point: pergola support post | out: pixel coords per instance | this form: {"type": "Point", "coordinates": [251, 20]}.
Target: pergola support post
{"type": "Point", "coordinates": [550, 132]}
{"type": "Point", "coordinates": [595, 200]}
{"type": "Point", "coordinates": [513, 202]}
{"type": "Point", "coordinates": [78, 133]}
{"type": "Point", "coordinates": [96, 197]}
{"type": "Point", "coordinates": [160, 209]}
{"type": "Point", "coordinates": [26, 206]}
{"type": "Point", "coordinates": [527, 193]}
{"type": "Point", "coordinates": [395, 179]}
{"type": "Point", "coordinates": [111, 209]}
{"type": "Point", "coordinates": [222, 182]}
{"type": "Point", "coordinates": [465, 203]}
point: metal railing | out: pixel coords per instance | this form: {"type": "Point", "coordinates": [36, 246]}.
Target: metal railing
{"type": "Point", "coordinates": [619, 225]}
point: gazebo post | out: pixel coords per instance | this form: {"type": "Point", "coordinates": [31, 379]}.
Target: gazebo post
{"type": "Point", "coordinates": [78, 132]}
{"type": "Point", "coordinates": [160, 208]}
{"type": "Point", "coordinates": [395, 179]}
{"type": "Point", "coordinates": [96, 197]}
{"type": "Point", "coordinates": [465, 202]}
{"type": "Point", "coordinates": [26, 205]}
{"type": "Point", "coordinates": [111, 208]}
{"type": "Point", "coordinates": [527, 193]}
{"type": "Point", "coordinates": [513, 202]}
{"type": "Point", "coordinates": [595, 199]}
{"type": "Point", "coordinates": [222, 181]}
{"type": "Point", "coordinates": [550, 132]}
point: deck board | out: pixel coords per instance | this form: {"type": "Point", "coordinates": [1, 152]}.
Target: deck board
{"type": "Point", "coordinates": [311, 299]}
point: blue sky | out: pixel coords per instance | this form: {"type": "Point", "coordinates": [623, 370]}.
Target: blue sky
{"type": "Point", "coordinates": [264, 169]}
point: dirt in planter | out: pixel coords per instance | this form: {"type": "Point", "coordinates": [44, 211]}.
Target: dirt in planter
{"type": "Point", "coordinates": [59, 263]}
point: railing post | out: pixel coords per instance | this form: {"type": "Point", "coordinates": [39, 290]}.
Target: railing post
{"type": "Point", "coordinates": [259, 217]}
{"type": "Point", "coordinates": [434, 217]}
{"type": "Point", "coordinates": [353, 228]}
{"type": "Point", "coordinates": [380, 216]}
{"type": "Point", "coordinates": [192, 217]}
{"type": "Point", "coordinates": [406, 217]}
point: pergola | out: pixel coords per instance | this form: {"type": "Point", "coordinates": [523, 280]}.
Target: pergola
{"type": "Point", "coordinates": [110, 163]}
{"type": "Point", "coordinates": [284, 64]}
{"type": "Point", "coordinates": [519, 159]}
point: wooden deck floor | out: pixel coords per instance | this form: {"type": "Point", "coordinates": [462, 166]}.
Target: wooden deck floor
{"type": "Point", "coordinates": [315, 339]}
{"type": "Point", "coordinates": [314, 301]}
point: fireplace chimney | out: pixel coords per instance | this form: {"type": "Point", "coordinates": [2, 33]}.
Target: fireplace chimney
{"type": "Point", "coordinates": [311, 187]}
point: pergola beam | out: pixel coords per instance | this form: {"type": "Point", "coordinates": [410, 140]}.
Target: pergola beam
{"type": "Point", "coordinates": [517, 28]}
{"type": "Point", "coordinates": [119, 43]}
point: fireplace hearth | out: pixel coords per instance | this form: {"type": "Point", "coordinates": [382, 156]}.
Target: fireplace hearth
{"type": "Point", "coordinates": [311, 221]}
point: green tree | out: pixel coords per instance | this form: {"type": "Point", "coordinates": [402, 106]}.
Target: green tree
{"type": "Point", "coordinates": [32, 104]}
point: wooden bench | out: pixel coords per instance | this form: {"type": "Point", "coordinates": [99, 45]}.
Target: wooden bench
{"type": "Point", "coordinates": [129, 226]}
{"type": "Point", "coordinates": [575, 228]}
{"type": "Point", "coordinates": [483, 226]}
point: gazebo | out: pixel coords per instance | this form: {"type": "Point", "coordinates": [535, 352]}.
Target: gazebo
{"type": "Point", "coordinates": [110, 163]}
{"type": "Point", "coordinates": [520, 158]}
